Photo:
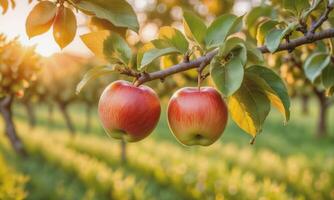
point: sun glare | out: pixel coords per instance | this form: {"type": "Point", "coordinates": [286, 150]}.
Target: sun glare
{"type": "Point", "coordinates": [12, 24]}
{"type": "Point", "coordinates": [44, 44]}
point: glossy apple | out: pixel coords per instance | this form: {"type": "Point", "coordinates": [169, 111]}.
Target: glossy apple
{"type": "Point", "coordinates": [197, 117]}
{"type": "Point", "coordinates": [129, 112]}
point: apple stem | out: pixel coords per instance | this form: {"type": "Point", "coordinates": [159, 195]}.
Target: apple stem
{"type": "Point", "coordinates": [252, 140]}
{"type": "Point", "coordinates": [199, 80]}
{"type": "Point", "coordinates": [134, 80]}
{"type": "Point", "coordinates": [199, 71]}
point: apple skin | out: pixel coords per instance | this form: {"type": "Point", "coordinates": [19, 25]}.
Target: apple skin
{"type": "Point", "coordinates": [197, 117]}
{"type": "Point", "coordinates": [128, 112]}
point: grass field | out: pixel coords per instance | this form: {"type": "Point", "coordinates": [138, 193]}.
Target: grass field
{"type": "Point", "coordinates": [286, 162]}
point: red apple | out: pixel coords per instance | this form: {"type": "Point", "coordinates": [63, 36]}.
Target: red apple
{"type": "Point", "coordinates": [197, 117]}
{"type": "Point", "coordinates": [129, 112]}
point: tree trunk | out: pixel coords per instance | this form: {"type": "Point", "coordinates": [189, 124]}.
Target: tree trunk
{"type": "Point", "coordinates": [6, 112]}
{"type": "Point", "coordinates": [88, 118]}
{"type": "Point", "coordinates": [50, 114]}
{"type": "Point", "coordinates": [322, 120]}
{"type": "Point", "coordinates": [123, 152]}
{"type": "Point", "coordinates": [31, 114]}
{"type": "Point", "coordinates": [305, 104]}
{"type": "Point", "coordinates": [68, 121]}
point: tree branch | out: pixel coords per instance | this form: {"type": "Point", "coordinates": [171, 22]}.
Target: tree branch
{"type": "Point", "coordinates": [184, 66]}
{"type": "Point", "coordinates": [206, 59]}
{"type": "Point", "coordinates": [310, 38]}
{"type": "Point", "coordinates": [322, 19]}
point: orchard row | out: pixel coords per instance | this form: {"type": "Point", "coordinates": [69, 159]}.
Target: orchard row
{"type": "Point", "coordinates": [198, 175]}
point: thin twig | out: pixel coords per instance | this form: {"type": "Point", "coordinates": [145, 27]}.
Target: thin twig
{"type": "Point", "coordinates": [322, 19]}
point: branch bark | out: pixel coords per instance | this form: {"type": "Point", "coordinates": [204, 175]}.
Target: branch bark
{"type": "Point", "coordinates": [6, 111]}
{"type": "Point", "coordinates": [322, 18]}
{"type": "Point", "coordinates": [30, 113]}
{"type": "Point", "coordinates": [67, 118]}
{"type": "Point", "coordinates": [206, 59]}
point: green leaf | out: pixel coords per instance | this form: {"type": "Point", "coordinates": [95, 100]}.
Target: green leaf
{"type": "Point", "coordinates": [171, 41]}
{"type": "Point", "coordinates": [252, 18]}
{"type": "Point", "coordinates": [141, 51]}
{"type": "Point", "coordinates": [175, 38]}
{"type": "Point", "coordinates": [314, 65]}
{"type": "Point", "coordinates": [327, 76]}
{"type": "Point", "coordinates": [160, 44]}
{"type": "Point", "coordinates": [273, 39]}
{"type": "Point", "coordinates": [149, 56]}
{"type": "Point", "coordinates": [116, 50]}
{"type": "Point", "coordinates": [194, 27]}
{"type": "Point", "coordinates": [227, 77]}
{"type": "Point", "coordinates": [277, 93]}
{"type": "Point", "coordinates": [93, 74]}
{"type": "Point", "coordinates": [235, 46]}
{"type": "Point", "coordinates": [264, 28]}
{"type": "Point", "coordinates": [222, 27]}
{"type": "Point", "coordinates": [249, 105]}
{"type": "Point", "coordinates": [254, 55]}
{"type": "Point", "coordinates": [275, 36]}
{"type": "Point", "coordinates": [118, 12]}
{"type": "Point", "coordinates": [296, 6]}
{"type": "Point", "coordinates": [306, 13]}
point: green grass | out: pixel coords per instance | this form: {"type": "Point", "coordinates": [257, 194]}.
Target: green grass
{"type": "Point", "coordinates": [294, 139]}
{"type": "Point", "coordinates": [165, 160]}
{"type": "Point", "coordinates": [45, 181]}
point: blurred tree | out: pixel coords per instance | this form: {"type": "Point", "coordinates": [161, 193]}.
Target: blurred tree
{"type": "Point", "coordinates": [18, 68]}
{"type": "Point", "coordinates": [36, 93]}
{"type": "Point", "coordinates": [61, 74]}
{"type": "Point", "coordinates": [90, 96]}
{"type": "Point", "coordinates": [292, 70]}
{"type": "Point", "coordinates": [166, 12]}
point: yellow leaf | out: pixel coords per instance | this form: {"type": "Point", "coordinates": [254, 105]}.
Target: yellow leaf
{"type": "Point", "coordinates": [249, 105]}
{"type": "Point", "coordinates": [13, 3]}
{"type": "Point", "coordinates": [4, 5]}
{"type": "Point", "coordinates": [41, 18]}
{"type": "Point", "coordinates": [240, 116]}
{"type": "Point", "coordinates": [168, 61]}
{"type": "Point", "coordinates": [95, 40]}
{"type": "Point", "coordinates": [275, 100]}
{"type": "Point", "coordinates": [96, 24]}
{"type": "Point", "coordinates": [65, 26]}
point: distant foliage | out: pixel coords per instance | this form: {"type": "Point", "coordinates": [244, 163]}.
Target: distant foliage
{"type": "Point", "coordinates": [18, 67]}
